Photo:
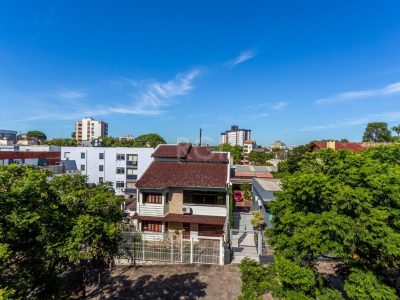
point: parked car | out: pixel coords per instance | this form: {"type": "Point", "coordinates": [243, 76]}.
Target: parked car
{"type": "Point", "coordinates": [237, 196]}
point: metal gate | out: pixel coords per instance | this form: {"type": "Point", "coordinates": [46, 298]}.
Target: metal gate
{"type": "Point", "coordinates": [171, 248]}
{"type": "Point", "coordinates": [245, 243]}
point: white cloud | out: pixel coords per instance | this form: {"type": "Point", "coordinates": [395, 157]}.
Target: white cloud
{"type": "Point", "coordinates": [278, 105]}
{"type": "Point", "coordinates": [385, 116]}
{"type": "Point", "coordinates": [243, 57]}
{"type": "Point", "coordinates": [71, 94]}
{"type": "Point", "coordinates": [390, 89]}
{"type": "Point", "coordinates": [152, 98]}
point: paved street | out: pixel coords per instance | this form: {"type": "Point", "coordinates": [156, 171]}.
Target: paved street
{"type": "Point", "coordinates": [171, 282]}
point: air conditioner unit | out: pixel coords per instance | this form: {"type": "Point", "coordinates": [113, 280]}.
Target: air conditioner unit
{"type": "Point", "coordinates": [186, 210]}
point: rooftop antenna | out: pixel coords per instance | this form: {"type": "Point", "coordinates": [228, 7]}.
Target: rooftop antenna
{"type": "Point", "coordinates": [200, 138]}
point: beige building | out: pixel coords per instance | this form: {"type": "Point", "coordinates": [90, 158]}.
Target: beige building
{"type": "Point", "coordinates": [88, 130]}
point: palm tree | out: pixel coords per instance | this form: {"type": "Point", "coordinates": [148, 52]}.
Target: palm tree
{"type": "Point", "coordinates": [396, 129]}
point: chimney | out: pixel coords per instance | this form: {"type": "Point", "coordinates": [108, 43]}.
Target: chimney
{"type": "Point", "coordinates": [331, 145]}
{"type": "Point", "coordinates": [200, 138]}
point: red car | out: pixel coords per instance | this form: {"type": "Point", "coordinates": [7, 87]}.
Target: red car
{"type": "Point", "coordinates": [237, 195]}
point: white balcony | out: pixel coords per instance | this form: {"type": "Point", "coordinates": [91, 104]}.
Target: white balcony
{"type": "Point", "coordinates": [208, 210]}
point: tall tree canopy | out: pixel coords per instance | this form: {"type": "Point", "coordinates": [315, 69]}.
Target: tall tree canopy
{"type": "Point", "coordinates": [235, 151]}
{"type": "Point", "coordinates": [345, 206]}
{"type": "Point", "coordinates": [146, 140]}
{"type": "Point", "coordinates": [377, 132]}
{"type": "Point", "coordinates": [47, 227]}
{"type": "Point", "coordinates": [61, 142]}
{"type": "Point", "coordinates": [37, 134]}
{"type": "Point", "coordinates": [396, 129]}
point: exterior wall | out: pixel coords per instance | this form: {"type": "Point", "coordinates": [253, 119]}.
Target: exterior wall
{"type": "Point", "coordinates": [110, 163]}
{"type": "Point", "coordinates": [211, 210]}
{"type": "Point", "coordinates": [175, 200]}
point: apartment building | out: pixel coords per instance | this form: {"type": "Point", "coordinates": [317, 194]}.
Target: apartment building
{"type": "Point", "coordinates": [89, 130]}
{"type": "Point", "coordinates": [121, 166]}
{"type": "Point", "coordinates": [235, 136]}
{"type": "Point", "coordinates": [184, 192]}
{"type": "Point", "coordinates": [8, 137]}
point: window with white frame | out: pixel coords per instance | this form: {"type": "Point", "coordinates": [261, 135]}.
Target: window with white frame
{"type": "Point", "coordinates": [120, 156]}
{"type": "Point", "coordinates": [120, 184]}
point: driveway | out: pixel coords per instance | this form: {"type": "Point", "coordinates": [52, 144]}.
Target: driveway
{"type": "Point", "coordinates": [171, 282]}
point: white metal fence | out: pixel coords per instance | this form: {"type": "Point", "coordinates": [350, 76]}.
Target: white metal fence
{"type": "Point", "coordinates": [171, 248]}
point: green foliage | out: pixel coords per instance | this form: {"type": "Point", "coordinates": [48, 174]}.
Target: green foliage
{"type": "Point", "coordinates": [46, 227]}
{"type": "Point", "coordinates": [37, 134]}
{"type": "Point", "coordinates": [363, 284]}
{"type": "Point", "coordinates": [341, 204]}
{"type": "Point", "coordinates": [291, 164]}
{"type": "Point", "coordinates": [377, 132]}
{"type": "Point", "coordinates": [147, 140]}
{"type": "Point", "coordinates": [61, 142]}
{"type": "Point", "coordinates": [259, 158]}
{"type": "Point", "coordinates": [235, 151]}
{"type": "Point", "coordinates": [396, 129]}
{"type": "Point", "coordinates": [283, 278]}
{"type": "Point", "coordinates": [257, 218]}
{"type": "Point", "coordinates": [328, 294]}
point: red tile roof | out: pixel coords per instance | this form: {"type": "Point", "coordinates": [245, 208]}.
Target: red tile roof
{"type": "Point", "coordinates": [352, 146]}
{"type": "Point", "coordinates": [188, 152]}
{"type": "Point", "coordinates": [180, 218]}
{"type": "Point", "coordinates": [161, 175]}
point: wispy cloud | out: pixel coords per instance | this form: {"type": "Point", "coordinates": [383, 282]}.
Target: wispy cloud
{"type": "Point", "coordinates": [242, 57]}
{"type": "Point", "coordinates": [71, 94]}
{"type": "Point", "coordinates": [279, 105]}
{"type": "Point", "coordinates": [150, 99]}
{"type": "Point", "coordinates": [356, 121]}
{"type": "Point", "coordinates": [390, 89]}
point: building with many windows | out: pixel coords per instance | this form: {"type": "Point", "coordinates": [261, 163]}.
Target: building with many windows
{"type": "Point", "coordinates": [122, 166]}
{"type": "Point", "coordinates": [88, 130]}
{"type": "Point", "coordinates": [235, 136]}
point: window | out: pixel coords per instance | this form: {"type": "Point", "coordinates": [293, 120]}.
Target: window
{"type": "Point", "coordinates": [101, 168]}
{"type": "Point", "coordinates": [120, 156]}
{"type": "Point", "coordinates": [120, 184]}
{"type": "Point", "coordinates": [120, 170]}
{"type": "Point", "coordinates": [101, 155]}
{"type": "Point", "coordinates": [152, 226]}
{"type": "Point", "coordinates": [66, 155]}
{"type": "Point", "coordinates": [132, 160]}
{"type": "Point", "coordinates": [205, 198]}
{"type": "Point", "coordinates": [82, 167]}
{"type": "Point", "coordinates": [130, 171]}
{"type": "Point", "coordinates": [130, 185]}
{"type": "Point", "coordinates": [101, 179]}
{"type": "Point", "coordinates": [82, 155]}
{"type": "Point", "coordinates": [155, 198]}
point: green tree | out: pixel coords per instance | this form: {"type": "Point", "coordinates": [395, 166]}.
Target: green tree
{"type": "Point", "coordinates": [259, 158]}
{"type": "Point", "coordinates": [61, 142]}
{"type": "Point", "coordinates": [235, 151]}
{"type": "Point", "coordinates": [362, 284]}
{"type": "Point", "coordinates": [292, 163]}
{"type": "Point", "coordinates": [149, 140]}
{"type": "Point", "coordinates": [257, 219]}
{"type": "Point", "coordinates": [47, 227]}
{"type": "Point", "coordinates": [377, 132]}
{"type": "Point", "coordinates": [396, 129]}
{"type": "Point", "coordinates": [343, 205]}
{"type": "Point", "coordinates": [37, 134]}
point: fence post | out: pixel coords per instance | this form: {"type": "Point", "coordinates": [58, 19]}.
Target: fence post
{"type": "Point", "coordinates": [172, 249]}
{"type": "Point", "coordinates": [259, 246]}
{"type": "Point", "coordinates": [191, 250]}
{"type": "Point", "coordinates": [143, 245]}
{"type": "Point", "coordinates": [221, 252]}
{"type": "Point", "coordinates": [181, 247]}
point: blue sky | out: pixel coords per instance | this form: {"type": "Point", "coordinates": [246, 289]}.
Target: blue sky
{"type": "Point", "coordinates": [289, 70]}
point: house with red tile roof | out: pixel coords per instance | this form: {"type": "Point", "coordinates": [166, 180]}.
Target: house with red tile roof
{"type": "Point", "coordinates": [352, 146]}
{"type": "Point", "coordinates": [184, 192]}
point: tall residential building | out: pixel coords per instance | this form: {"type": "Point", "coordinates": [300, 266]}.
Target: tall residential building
{"type": "Point", "coordinates": [235, 136]}
{"type": "Point", "coordinates": [88, 130]}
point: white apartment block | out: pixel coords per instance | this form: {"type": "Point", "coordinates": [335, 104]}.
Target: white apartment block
{"type": "Point", "coordinates": [235, 136]}
{"type": "Point", "coordinates": [88, 129]}
{"type": "Point", "coordinates": [121, 166]}
{"type": "Point", "coordinates": [248, 146]}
